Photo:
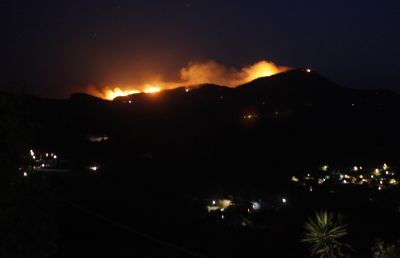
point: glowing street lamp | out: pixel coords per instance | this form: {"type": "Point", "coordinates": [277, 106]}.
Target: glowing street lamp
{"type": "Point", "coordinates": [94, 168]}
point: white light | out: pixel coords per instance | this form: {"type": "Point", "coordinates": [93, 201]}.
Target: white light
{"type": "Point", "coordinates": [25, 174]}
{"type": "Point", "coordinates": [47, 154]}
{"type": "Point", "coordinates": [93, 168]}
{"type": "Point", "coordinates": [130, 101]}
{"type": "Point", "coordinates": [308, 70]}
{"type": "Point", "coordinates": [284, 200]}
{"type": "Point", "coordinates": [42, 165]}
{"type": "Point", "coordinates": [55, 156]}
{"type": "Point", "coordinates": [222, 217]}
{"type": "Point", "coordinates": [379, 188]}
{"type": "Point", "coordinates": [256, 205]}
{"type": "Point", "coordinates": [213, 202]}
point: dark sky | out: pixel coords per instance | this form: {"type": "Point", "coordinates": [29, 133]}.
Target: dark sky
{"type": "Point", "coordinates": [57, 47]}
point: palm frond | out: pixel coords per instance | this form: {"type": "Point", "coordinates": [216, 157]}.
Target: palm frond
{"type": "Point", "coordinates": [325, 232]}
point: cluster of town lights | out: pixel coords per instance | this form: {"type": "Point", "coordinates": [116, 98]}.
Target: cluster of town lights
{"type": "Point", "coordinates": [38, 161]}
{"type": "Point", "coordinates": [250, 116]}
{"type": "Point", "coordinates": [380, 178]}
{"type": "Point", "coordinates": [242, 206]}
{"type": "Point", "coordinates": [51, 155]}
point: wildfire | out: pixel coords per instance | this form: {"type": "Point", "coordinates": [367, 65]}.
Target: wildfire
{"type": "Point", "coordinates": [196, 73]}
{"type": "Point", "coordinates": [111, 94]}
{"type": "Point", "coordinates": [261, 69]}
{"type": "Point", "coordinates": [152, 90]}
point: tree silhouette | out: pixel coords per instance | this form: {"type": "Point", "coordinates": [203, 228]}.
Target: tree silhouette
{"type": "Point", "coordinates": [325, 233]}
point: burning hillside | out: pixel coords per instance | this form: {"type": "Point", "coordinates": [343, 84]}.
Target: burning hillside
{"type": "Point", "coordinates": [195, 73]}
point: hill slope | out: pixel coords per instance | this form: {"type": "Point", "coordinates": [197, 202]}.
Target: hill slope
{"type": "Point", "coordinates": [296, 118]}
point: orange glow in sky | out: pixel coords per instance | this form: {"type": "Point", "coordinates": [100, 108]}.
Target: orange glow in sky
{"type": "Point", "coordinates": [196, 73]}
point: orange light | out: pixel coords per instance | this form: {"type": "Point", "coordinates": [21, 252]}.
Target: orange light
{"type": "Point", "coordinates": [261, 69]}
{"type": "Point", "coordinates": [195, 73]}
{"type": "Point", "coordinates": [152, 90]}
{"type": "Point", "coordinates": [111, 94]}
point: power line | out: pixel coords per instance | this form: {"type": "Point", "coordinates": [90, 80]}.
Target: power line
{"type": "Point", "coordinates": [131, 230]}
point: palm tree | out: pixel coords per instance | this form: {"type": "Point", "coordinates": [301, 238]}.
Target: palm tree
{"type": "Point", "coordinates": [325, 233]}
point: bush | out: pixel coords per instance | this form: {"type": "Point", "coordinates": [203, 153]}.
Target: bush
{"type": "Point", "coordinates": [385, 250]}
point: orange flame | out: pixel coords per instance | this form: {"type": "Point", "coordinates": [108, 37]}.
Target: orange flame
{"type": "Point", "coordinates": [196, 73]}
{"type": "Point", "coordinates": [117, 92]}
{"type": "Point", "coordinates": [152, 90]}
{"type": "Point", "coordinates": [112, 93]}
{"type": "Point", "coordinates": [262, 69]}
{"type": "Point", "coordinates": [212, 72]}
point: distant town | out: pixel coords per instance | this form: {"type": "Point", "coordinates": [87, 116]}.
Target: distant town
{"type": "Point", "coordinates": [379, 178]}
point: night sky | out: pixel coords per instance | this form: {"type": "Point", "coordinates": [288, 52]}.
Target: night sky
{"type": "Point", "coordinates": [59, 47]}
